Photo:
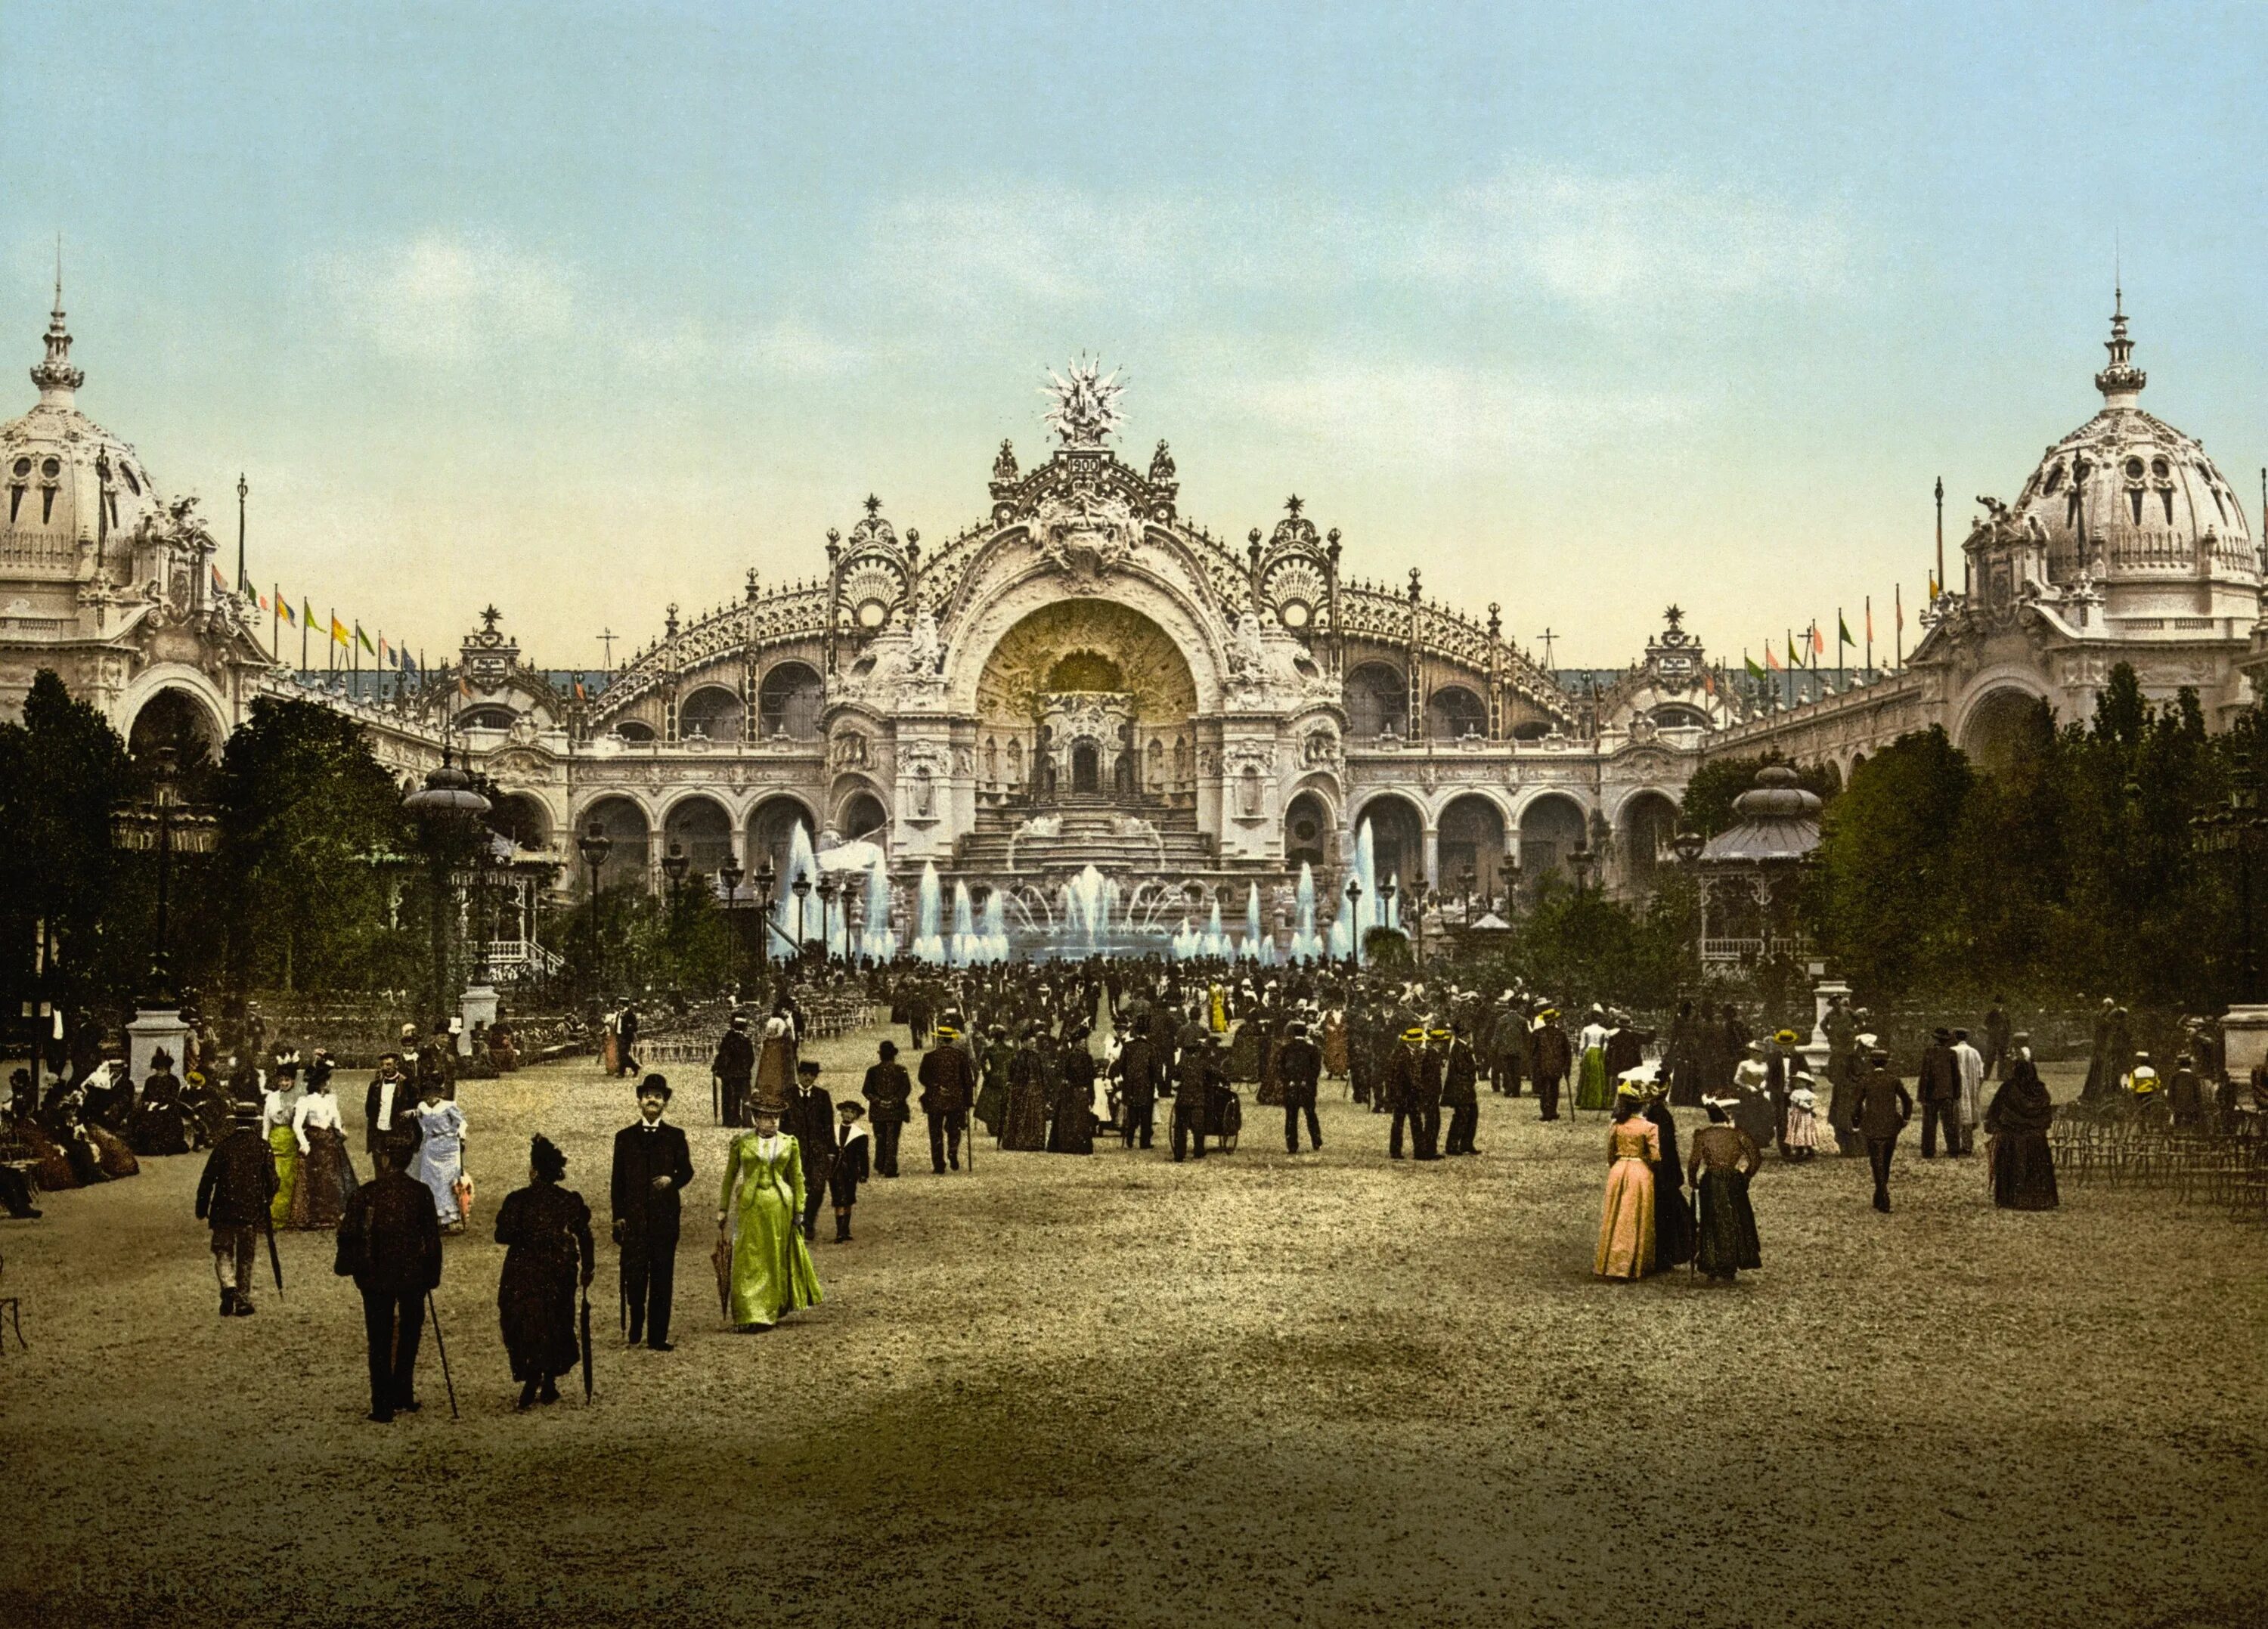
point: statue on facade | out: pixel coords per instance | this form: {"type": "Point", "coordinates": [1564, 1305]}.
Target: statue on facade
{"type": "Point", "coordinates": [926, 654]}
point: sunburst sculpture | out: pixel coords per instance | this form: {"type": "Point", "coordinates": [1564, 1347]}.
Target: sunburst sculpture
{"type": "Point", "coordinates": [1084, 408]}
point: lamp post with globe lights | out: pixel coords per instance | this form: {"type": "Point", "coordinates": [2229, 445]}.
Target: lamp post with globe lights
{"type": "Point", "coordinates": [1354, 918]}
{"type": "Point", "coordinates": [594, 845]}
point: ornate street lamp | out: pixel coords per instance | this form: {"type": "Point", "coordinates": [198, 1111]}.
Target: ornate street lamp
{"type": "Point", "coordinates": [675, 865]}
{"type": "Point", "coordinates": [829, 888]}
{"type": "Point", "coordinates": [446, 807]}
{"type": "Point", "coordinates": [730, 874]}
{"type": "Point", "coordinates": [801, 890]}
{"type": "Point", "coordinates": [594, 845]}
{"type": "Point", "coordinates": [763, 883]}
{"type": "Point", "coordinates": [1354, 917]}
{"type": "Point", "coordinates": [1580, 862]}
{"type": "Point", "coordinates": [165, 822]}
{"type": "Point", "coordinates": [1687, 846]}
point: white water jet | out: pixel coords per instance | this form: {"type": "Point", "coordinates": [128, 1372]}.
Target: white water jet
{"type": "Point", "coordinates": [965, 947]}
{"type": "Point", "coordinates": [993, 937]}
{"type": "Point", "coordinates": [1305, 946]}
{"type": "Point", "coordinates": [927, 944]}
{"type": "Point", "coordinates": [876, 938]}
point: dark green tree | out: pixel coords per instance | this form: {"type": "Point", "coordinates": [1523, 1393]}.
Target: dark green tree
{"type": "Point", "coordinates": [62, 772]}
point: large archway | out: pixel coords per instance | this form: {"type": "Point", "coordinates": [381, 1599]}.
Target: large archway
{"type": "Point", "coordinates": [522, 817]}
{"type": "Point", "coordinates": [864, 819]}
{"type": "Point", "coordinates": [701, 827]}
{"type": "Point", "coordinates": [1109, 689]}
{"type": "Point", "coordinates": [1649, 820]}
{"type": "Point", "coordinates": [1397, 839]}
{"type": "Point", "coordinates": [1551, 827]}
{"type": "Point", "coordinates": [2003, 724]}
{"type": "Point", "coordinates": [1472, 845]}
{"type": "Point", "coordinates": [179, 718]}
{"type": "Point", "coordinates": [624, 824]}
{"type": "Point", "coordinates": [771, 832]}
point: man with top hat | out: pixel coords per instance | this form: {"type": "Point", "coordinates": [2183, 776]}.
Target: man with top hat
{"type": "Point", "coordinates": [888, 1091]}
{"type": "Point", "coordinates": [1550, 1054]}
{"type": "Point", "coordinates": [734, 1065]}
{"type": "Point", "coordinates": [1938, 1087]}
{"type": "Point", "coordinates": [948, 1087]}
{"type": "Point", "coordinates": [809, 1118]}
{"type": "Point", "coordinates": [386, 1106]}
{"type": "Point", "coordinates": [389, 1243]}
{"type": "Point", "coordinates": [1460, 1089]}
{"type": "Point", "coordinates": [1398, 1086]}
{"type": "Point", "coordinates": [1298, 1068]}
{"type": "Point", "coordinates": [652, 1165]}
{"type": "Point", "coordinates": [234, 1194]}
{"type": "Point", "coordinates": [1139, 1071]}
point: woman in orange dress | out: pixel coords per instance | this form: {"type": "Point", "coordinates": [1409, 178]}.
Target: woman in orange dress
{"type": "Point", "coordinates": [1626, 1226]}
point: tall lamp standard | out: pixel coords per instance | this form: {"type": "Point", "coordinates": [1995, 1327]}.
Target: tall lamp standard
{"type": "Point", "coordinates": [165, 823]}
{"type": "Point", "coordinates": [1354, 917]}
{"type": "Point", "coordinates": [446, 809]}
{"type": "Point", "coordinates": [594, 845]}
{"type": "Point", "coordinates": [2234, 828]}
{"type": "Point", "coordinates": [1385, 892]}
{"type": "Point", "coordinates": [1580, 862]}
{"type": "Point", "coordinates": [766, 878]}
{"type": "Point", "coordinates": [801, 890]}
{"type": "Point", "coordinates": [674, 864]}
{"type": "Point", "coordinates": [730, 874]}
{"type": "Point", "coordinates": [1687, 846]}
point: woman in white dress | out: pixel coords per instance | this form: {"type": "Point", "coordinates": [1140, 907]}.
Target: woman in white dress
{"type": "Point", "coordinates": [440, 1162]}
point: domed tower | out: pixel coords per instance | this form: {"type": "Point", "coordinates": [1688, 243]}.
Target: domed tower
{"type": "Point", "coordinates": [2126, 544]}
{"type": "Point", "coordinates": [104, 580]}
{"type": "Point", "coordinates": [2125, 520]}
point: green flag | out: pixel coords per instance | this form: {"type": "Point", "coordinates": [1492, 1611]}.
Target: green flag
{"type": "Point", "coordinates": [1844, 629]}
{"type": "Point", "coordinates": [1755, 671]}
{"type": "Point", "coordinates": [363, 639]}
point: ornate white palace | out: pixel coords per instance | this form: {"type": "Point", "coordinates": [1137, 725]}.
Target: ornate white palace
{"type": "Point", "coordinates": [1086, 677]}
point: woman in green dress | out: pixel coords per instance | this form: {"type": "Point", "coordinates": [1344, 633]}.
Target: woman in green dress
{"type": "Point", "coordinates": [275, 1117]}
{"type": "Point", "coordinates": [772, 1274]}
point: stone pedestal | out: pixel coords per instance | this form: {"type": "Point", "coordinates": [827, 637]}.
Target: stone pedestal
{"type": "Point", "coordinates": [159, 1028]}
{"type": "Point", "coordinates": [1816, 1050]}
{"type": "Point", "coordinates": [2244, 1030]}
{"type": "Point", "coordinates": [478, 1006]}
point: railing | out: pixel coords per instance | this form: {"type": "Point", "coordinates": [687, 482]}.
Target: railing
{"type": "Point", "coordinates": [522, 958]}
{"type": "Point", "coordinates": [1738, 950]}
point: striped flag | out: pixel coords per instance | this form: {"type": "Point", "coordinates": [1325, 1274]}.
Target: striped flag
{"type": "Point", "coordinates": [220, 583]}
{"type": "Point", "coordinates": [291, 617]}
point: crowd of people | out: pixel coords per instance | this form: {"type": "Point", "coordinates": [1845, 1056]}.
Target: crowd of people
{"type": "Point", "coordinates": [1045, 1058]}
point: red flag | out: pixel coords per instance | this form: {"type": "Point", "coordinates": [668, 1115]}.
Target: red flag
{"type": "Point", "coordinates": [220, 583]}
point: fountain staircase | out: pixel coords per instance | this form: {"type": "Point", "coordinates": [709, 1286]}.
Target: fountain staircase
{"type": "Point", "coordinates": [1090, 836]}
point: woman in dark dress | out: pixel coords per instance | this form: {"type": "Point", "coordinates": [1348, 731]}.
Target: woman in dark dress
{"type": "Point", "coordinates": [1724, 1159]}
{"type": "Point", "coordinates": [1682, 1061]}
{"type": "Point", "coordinates": [2023, 1167]}
{"type": "Point", "coordinates": [544, 1230]}
{"type": "Point", "coordinates": [1673, 1217]}
{"type": "Point", "coordinates": [1030, 1092]}
{"type": "Point", "coordinates": [1073, 1128]}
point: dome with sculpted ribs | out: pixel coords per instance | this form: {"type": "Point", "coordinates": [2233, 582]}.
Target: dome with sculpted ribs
{"type": "Point", "coordinates": [2127, 495]}
{"type": "Point", "coordinates": [65, 480]}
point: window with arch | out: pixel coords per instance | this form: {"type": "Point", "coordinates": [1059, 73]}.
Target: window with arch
{"type": "Point", "coordinates": [788, 703]}
{"type": "Point", "coordinates": [631, 730]}
{"type": "Point", "coordinates": [1377, 701]}
{"type": "Point", "coordinates": [1456, 712]}
{"type": "Point", "coordinates": [712, 712]}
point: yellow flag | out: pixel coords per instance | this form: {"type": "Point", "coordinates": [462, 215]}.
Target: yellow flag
{"type": "Point", "coordinates": [339, 632]}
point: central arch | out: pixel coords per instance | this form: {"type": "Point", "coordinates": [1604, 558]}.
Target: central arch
{"type": "Point", "coordinates": [1108, 685]}
{"type": "Point", "coordinates": [2002, 723]}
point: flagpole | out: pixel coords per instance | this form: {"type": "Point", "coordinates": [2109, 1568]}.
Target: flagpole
{"type": "Point", "coordinates": [276, 626]}
{"type": "Point", "coordinates": [1940, 538]}
{"type": "Point", "coordinates": [331, 638]}
{"type": "Point", "coordinates": [303, 638]}
{"type": "Point", "coordinates": [242, 489]}
{"type": "Point", "coordinates": [1898, 601]}
{"type": "Point", "coordinates": [1870, 636]}
{"type": "Point", "coordinates": [1840, 625]}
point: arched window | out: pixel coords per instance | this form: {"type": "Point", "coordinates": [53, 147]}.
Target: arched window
{"type": "Point", "coordinates": [1455, 713]}
{"type": "Point", "coordinates": [631, 730]}
{"type": "Point", "coordinates": [1376, 697]}
{"type": "Point", "coordinates": [788, 703]}
{"type": "Point", "coordinates": [712, 712]}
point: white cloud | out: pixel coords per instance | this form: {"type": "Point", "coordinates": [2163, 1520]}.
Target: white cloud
{"type": "Point", "coordinates": [449, 300]}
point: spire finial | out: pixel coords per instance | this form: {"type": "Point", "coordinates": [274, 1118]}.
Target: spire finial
{"type": "Point", "coordinates": [54, 375]}
{"type": "Point", "coordinates": [2122, 381]}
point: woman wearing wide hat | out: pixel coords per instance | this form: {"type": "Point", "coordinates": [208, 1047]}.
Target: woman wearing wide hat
{"type": "Point", "coordinates": [546, 1233]}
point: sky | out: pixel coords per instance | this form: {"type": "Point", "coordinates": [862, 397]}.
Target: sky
{"type": "Point", "coordinates": [585, 310]}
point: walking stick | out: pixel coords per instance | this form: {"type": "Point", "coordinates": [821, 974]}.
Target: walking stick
{"type": "Point", "coordinates": [433, 1315]}
{"type": "Point", "coordinates": [275, 1262]}
{"type": "Point", "coordinates": [586, 1341]}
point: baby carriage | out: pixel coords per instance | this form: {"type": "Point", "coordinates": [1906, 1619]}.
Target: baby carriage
{"type": "Point", "coordinates": [1223, 1117]}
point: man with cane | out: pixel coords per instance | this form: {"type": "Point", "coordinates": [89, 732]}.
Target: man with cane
{"type": "Point", "coordinates": [389, 1243]}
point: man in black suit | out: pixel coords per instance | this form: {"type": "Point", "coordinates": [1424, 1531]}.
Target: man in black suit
{"type": "Point", "coordinates": [1884, 1107]}
{"type": "Point", "coordinates": [651, 1168]}
{"type": "Point", "coordinates": [1298, 1067]}
{"type": "Point", "coordinates": [388, 1106]}
{"type": "Point", "coordinates": [888, 1091]}
{"type": "Point", "coordinates": [389, 1243]}
{"type": "Point", "coordinates": [1938, 1087]}
{"type": "Point", "coordinates": [234, 1194]}
{"type": "Point", "coordinates": [809, 1118]}
{"type": "Point", "coordinates": [1139, 1070]}
{"type": "Point", "coordinates": [735, 1063]}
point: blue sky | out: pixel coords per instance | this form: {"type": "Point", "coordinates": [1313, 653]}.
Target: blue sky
{"type": "Point", "coordinates": [585, 309]}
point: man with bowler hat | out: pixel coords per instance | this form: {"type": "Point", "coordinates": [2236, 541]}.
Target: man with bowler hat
{"type": "Point", "coordinates": [652, 1167]}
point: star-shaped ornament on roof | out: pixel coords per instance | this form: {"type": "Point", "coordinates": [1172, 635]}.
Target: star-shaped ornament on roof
{"type": "Point", "coordinates": [1084, 407]}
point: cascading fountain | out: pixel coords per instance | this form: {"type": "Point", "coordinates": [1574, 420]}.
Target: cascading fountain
{"type": "Point", "coordinates": [927, 944]}
{"type": "Point", "coordinates": [876, 939]}
{"type": "Point", "coordinates": [1349, 926]}
{"type": "Point", "coordinates": [1257, 946]}
{"type": "Point", "coordinates": [1189, 944]}
{"type": "Point", "coordinates": [1305, 946]}
{"type": "Point", "coordinates": [1394, 905]}
{"type": "Point", "coordinates": [965, 947]}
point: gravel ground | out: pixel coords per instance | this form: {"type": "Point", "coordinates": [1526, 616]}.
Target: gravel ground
{"type": "Point", "coordinates": [1116, 1391]}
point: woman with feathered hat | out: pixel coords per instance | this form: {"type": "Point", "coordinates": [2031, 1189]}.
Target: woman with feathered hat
{"type": "Point", "coordinates": [546, 1233]}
